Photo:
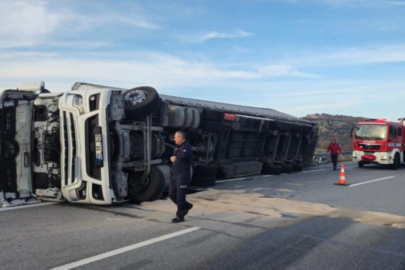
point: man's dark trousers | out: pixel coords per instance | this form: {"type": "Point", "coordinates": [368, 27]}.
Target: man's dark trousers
{"type": "Point", "coordinates": [178, 191]}
{"type": "Point", "coordinates": [334, 160]}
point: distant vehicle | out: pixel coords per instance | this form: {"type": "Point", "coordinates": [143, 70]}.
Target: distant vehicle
{"type": "Point", "coordinates": [378, 141]}
{"type": "Point", "coordinates": [105, 145]}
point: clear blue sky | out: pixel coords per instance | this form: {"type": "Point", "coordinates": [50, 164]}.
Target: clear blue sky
{"type": "Point", "coordinates": [297, 56]}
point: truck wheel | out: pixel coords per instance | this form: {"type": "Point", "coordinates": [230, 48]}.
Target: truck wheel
{"type": "Point", "coordinates": [361, 164]}
{"type": "Point", "coordinates": [149, 190]}
{"type": "Point", "coordinates": [10, 149]}
{"type": "Point", "coordinates": [395, 165]}
{"type": "Point", "coordinates": [270, 169]}
{"type": "Point", "coordinates": [297, 168]}
{"type": "Point", "coordinates": [141, 101]}
{"type": "Point", "coordinates": [204, 176]}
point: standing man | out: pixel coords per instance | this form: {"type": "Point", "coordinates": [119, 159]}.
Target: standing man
{"type": "Point", "coordinates": [334, 150]}
{"type": "Point", "coordinates": [180, 176]}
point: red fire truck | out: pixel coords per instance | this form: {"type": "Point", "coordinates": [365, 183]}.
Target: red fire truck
{"type": "Point", "coordinates": [378, 141]}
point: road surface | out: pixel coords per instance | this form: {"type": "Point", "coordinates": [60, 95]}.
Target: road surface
{"type": "Point", "coordinates": [292, 221]}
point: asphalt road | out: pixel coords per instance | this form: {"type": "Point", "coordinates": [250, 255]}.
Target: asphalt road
{"type": "Point", "coordinates": [294, 221]}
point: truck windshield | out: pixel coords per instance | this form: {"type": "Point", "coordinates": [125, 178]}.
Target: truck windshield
{"type": "Point", "coordinates": [371, 132]}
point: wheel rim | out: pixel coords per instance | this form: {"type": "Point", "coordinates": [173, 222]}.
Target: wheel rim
{"type": "Point", "coordinates": [136, 97]}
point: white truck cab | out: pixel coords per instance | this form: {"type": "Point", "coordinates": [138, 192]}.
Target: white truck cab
{"type": "Point", "coordinates": [85, 167]}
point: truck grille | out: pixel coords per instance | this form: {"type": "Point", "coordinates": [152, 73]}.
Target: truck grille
{"type": "Point", "coordinates": [69, 145]}
{"type": "Point", "coordinates": [370, 146]}
{"type": "Point", "coordinates": [73, 139]}
{"type": "Point", "coordinates": [65, 150]}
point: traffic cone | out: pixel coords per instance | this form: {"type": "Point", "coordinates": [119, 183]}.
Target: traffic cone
{"type": "Point", "coordinates": [342, 177]}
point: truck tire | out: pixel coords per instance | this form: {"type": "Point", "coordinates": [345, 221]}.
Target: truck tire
{"type": "Point", "coordinates": [361, 164]}
{"type": "Point", "coordinates": [141, 101]}
{"type": "Point", "coordinates": [213, 115]}
{"type": "Point", "coordinates": [287, 168]}
{"type": "Point", "coordinates": [212, 126]}
{"type": "Point", "coordinates": [150, 190]}
{"type": "Point", "coordinates": [297, 167]}
{"type": "Point", "coordinates": [10, 149]}
{"type": "Point", "coordinates": [271, 169]}
{"type": "Point", "coordinates": [204, 176]}
{"type": "Point", "coordinates": [396, 163]}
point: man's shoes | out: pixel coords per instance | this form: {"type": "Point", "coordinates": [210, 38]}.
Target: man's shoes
{"type": "Point", "coordinates": [188, 209]}
{"type": "Point", "coordinates": [178, 220]}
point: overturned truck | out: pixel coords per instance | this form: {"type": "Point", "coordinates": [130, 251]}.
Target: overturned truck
{"type": "Point", "coordinates": [104, 145]}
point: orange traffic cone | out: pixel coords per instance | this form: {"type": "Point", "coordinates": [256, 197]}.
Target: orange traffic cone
{"type": "Point", "coordinates": [342, 178]}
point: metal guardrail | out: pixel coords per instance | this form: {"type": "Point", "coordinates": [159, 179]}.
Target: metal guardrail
{"type": "Point", "coordinates": [346, 153]}
{"type": "Point", "coordinates": [324, 158]}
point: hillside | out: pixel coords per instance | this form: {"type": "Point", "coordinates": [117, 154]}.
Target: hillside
{"type": "Point", "coordinates": [334, 126]}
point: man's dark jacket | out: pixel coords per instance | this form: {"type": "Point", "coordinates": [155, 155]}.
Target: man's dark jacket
{"type": "Point", "coordinates": [183, 154]}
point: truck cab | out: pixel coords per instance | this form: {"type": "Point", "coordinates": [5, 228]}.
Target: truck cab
{"type": "Point", "coordinates": [378, 141]}
{"type": "Point", "coordinates": [86, 146]}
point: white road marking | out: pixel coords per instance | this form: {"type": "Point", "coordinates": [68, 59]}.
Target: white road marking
{"type": "Point", "coordinates": [26, 206]}
{"type": "Point", "coordinates": [124, 249]}
{"type": "Point", "coordinates": [371, 181]}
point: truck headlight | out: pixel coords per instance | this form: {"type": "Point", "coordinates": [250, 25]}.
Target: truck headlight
{"type": "Point", "coordinates": [78, 103]}
{"type": "Point", "coordinates": [354, 155]}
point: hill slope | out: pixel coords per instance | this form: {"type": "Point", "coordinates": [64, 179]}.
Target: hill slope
{"type": "Point", "coordinates": [334, 126]}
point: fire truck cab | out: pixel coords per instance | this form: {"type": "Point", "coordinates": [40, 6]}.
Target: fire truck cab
{"type": "Point", "coordinates": [378, 141]}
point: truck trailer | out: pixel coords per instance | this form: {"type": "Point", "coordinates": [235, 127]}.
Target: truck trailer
{"type": "Point", "coordinates": [378, 141]}
{"type": "Point", "coordinates": [105, 145]}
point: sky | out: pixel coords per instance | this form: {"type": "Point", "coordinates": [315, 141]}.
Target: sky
{"type": "Point", "coordinates": [300, 57]}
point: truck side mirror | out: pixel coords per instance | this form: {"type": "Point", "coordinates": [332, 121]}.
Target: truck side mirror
{"type": "Point", "coordinates": [351, 132]}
